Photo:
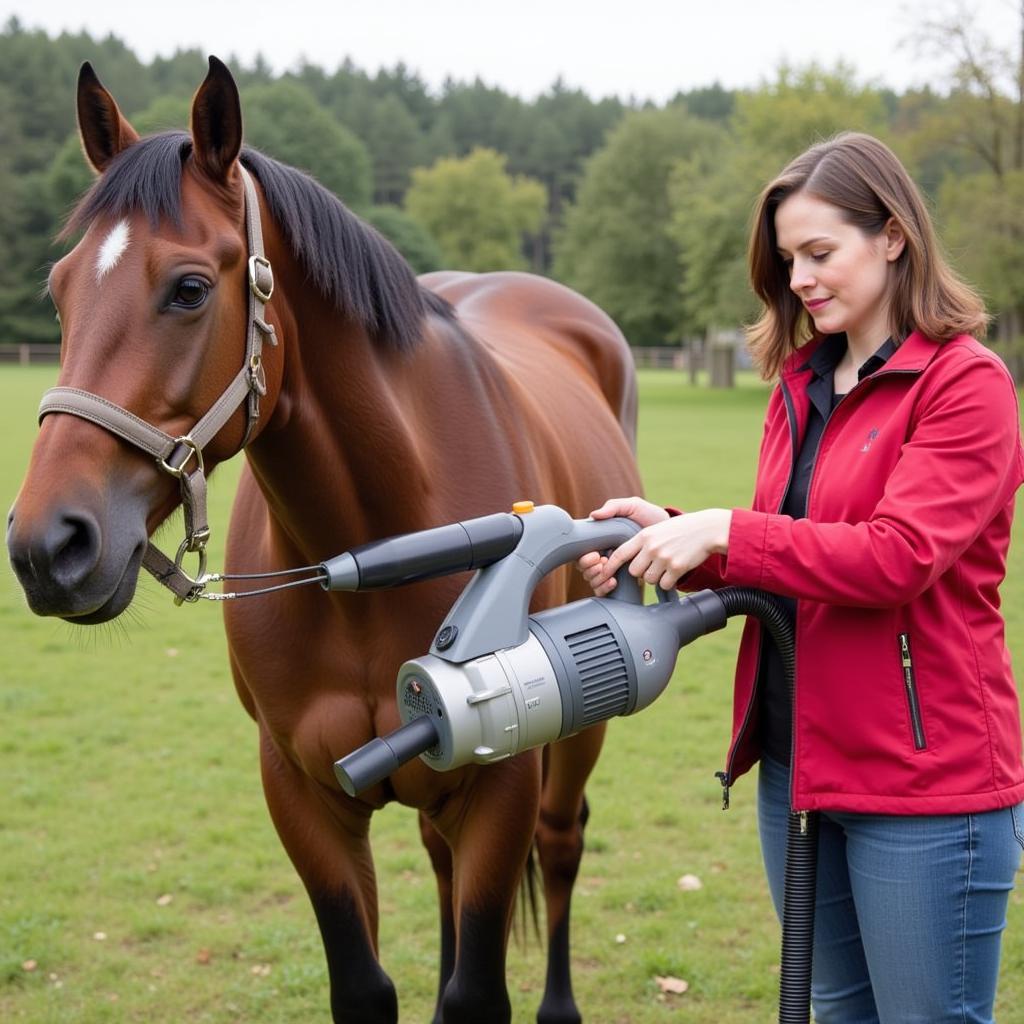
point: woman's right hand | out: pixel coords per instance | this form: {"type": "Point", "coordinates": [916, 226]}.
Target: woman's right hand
{"type": "Point", "coordinates": [643, 513]}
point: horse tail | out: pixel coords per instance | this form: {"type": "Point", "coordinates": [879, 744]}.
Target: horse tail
{"type": "Point", "coordinates": [526, 917]}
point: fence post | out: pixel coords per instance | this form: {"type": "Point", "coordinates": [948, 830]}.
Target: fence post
{"type": "Point", "coordinates": [723, 360]}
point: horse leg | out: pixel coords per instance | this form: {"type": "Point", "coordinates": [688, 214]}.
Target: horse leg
{"type": "Point", "coordinates": [331, 852]}
{"type": "Point", "coordinates": [490, 828]}
{"type": "Point", "coordinates": [563, 816]}
{"type": "Point", "coordinates": [441, 859]}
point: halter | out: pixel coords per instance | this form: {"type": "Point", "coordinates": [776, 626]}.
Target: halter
{"type": "Point", "coordinates": [174, 454]}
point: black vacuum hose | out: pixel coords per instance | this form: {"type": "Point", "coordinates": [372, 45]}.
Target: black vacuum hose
{"type": "Point", "coordinates": [801, 834]}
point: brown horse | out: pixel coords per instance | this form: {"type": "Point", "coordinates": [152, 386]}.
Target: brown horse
{"type": "Point", "coordinates": [380, 405]}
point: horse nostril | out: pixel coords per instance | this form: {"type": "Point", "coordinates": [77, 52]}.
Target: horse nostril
{"type": "Point", "coordinates": [73, 547]}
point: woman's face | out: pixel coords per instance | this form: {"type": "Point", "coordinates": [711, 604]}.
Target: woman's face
{"type": "Point", "coordinates": [840, 274]}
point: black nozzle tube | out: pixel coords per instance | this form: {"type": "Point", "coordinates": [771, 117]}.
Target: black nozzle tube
{"type": "Point", "coordinates": [376, 760]}
{"type": "Point", "coordinates": [802, 830]}
{"type": "Point", "coordinates": [425, 554]}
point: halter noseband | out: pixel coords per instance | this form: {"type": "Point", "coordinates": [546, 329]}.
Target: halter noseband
{"type": "Point", "coordinates": [174, 454]}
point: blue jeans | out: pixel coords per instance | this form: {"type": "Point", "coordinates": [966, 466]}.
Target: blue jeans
{"type": "Point", "coordinates": [910, 909]}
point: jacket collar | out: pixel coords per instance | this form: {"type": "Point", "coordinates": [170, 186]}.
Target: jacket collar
{"type": "Point", "coordinates": [912, 356]}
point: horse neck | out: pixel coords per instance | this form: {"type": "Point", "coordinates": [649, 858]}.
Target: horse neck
{"type": "Point", "coordinates": [339, 460]}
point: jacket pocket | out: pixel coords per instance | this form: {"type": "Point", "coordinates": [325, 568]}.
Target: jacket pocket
{"type": "Point", "coordinates": [910, 691]}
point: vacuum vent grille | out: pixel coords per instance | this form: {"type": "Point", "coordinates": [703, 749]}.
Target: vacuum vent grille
{"type": "Point", "coordinates": [604, 679]}
{"type": "Point", "coordinates": [419, 700]}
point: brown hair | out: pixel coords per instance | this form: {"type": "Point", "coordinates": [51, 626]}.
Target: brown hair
{"type": "Point", "coordinates": [867, 182]}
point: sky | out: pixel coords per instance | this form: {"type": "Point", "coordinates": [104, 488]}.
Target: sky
{"type": "Point", "coordinates": [645, 49]}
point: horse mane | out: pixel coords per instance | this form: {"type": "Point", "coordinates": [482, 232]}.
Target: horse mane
{"type": "Point", "coordinates": [349, 262]}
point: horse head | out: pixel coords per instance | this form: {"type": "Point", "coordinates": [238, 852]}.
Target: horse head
{"type": "Point", "coordinates": [153, 304]}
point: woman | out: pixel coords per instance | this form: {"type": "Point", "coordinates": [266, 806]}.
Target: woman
{"type": "Point", "coordinates": [882, 509]}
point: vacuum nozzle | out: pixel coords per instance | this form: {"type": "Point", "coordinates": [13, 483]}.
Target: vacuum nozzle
{"type": "Point", "coordinates": [409, 557]}
{"type": "Point", "coordinates": [376, 760]}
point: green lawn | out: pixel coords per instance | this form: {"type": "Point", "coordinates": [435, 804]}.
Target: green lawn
{"type": "Point", "coordinates": [140, 874]}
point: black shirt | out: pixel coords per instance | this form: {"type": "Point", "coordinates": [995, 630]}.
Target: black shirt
{"type": "Point", "coordinates": [776, 720]}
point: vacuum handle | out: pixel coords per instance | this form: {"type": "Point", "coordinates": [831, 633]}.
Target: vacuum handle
{"type": "Point", "coordinates": [491, 613]}
{"type": "Point", "coordinates": [626, 586]}
{"type": "Point", "coordinates": [383, 755]}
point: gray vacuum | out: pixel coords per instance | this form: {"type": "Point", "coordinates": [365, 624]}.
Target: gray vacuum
{"type": "Point", "coordinates": [498, 680]}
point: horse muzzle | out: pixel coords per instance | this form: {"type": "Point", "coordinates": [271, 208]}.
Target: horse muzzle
{"type": "Point", "coordinates": [75, 564]}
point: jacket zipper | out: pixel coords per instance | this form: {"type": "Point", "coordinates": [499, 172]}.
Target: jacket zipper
{"type": "Point", "coordinates": [725, 778]}
{"type": "Point", "coordinates": [910, 686]}
{"type": "Point", "coordinates": [792, 705]}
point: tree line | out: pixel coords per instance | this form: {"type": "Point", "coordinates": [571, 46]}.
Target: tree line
{"type": "Point", "coordinates": [643, 207]}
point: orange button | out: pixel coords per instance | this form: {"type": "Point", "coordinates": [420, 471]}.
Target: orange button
{"type": "Point", "coordinates": [522, 507]}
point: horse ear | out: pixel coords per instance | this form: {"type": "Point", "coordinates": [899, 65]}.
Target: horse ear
{"type": "Point", "coordinates": [103, 128]}
{"type": "Point", "coordinates": [217, 122]}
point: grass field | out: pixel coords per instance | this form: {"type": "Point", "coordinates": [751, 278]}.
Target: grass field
{"type": "Point", "coordinates": [141, 881]}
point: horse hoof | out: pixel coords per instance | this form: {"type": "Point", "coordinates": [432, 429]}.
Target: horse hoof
{"type": "Point", "coordinates": [561, 1013]}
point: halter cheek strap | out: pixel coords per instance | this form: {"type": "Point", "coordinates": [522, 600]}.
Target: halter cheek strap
{"type": "Point", "coordinates": [182, 457]}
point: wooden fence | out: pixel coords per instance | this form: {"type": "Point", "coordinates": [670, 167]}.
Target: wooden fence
{"type": "Point", "coordinates": [26, 355]}
{"type": "Point", "coordinates": [663, 357]}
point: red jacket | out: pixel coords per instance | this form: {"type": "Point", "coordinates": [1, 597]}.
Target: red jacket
{"type": "Point", "coordinates": [905, 699]}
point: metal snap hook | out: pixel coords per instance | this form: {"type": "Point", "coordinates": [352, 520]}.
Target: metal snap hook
{"type": "Point", "coordinates": [257, 375]}
{"type": "Point", "coordinates": [187, 546]}
{"type": "Point", "coordinates": [199, 581]}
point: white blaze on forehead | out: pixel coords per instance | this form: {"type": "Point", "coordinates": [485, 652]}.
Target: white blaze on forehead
{"type": "Point", "coordinates": [113, 248]}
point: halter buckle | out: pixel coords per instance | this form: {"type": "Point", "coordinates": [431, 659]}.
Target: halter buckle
{"type": "Point", "coordinates": [192, 449]}
{"type": "Point", "coordinates": [261, 277]}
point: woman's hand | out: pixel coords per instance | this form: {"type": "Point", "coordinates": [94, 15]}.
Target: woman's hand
{"type": "Point", "coordinates": [664, 550]}
{"type": "Point", "coordinates": [644, 513]}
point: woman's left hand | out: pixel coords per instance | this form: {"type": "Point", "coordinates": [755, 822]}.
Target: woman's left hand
{"type": "Point", "coordinates": [662, 553]}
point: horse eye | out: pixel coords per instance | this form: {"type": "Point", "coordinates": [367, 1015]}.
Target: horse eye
{"type": "Point", "coordinates": [190, 293]}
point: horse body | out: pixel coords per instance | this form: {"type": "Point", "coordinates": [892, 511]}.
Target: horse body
{"type": "Point", "coordinates": [513, 388]}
